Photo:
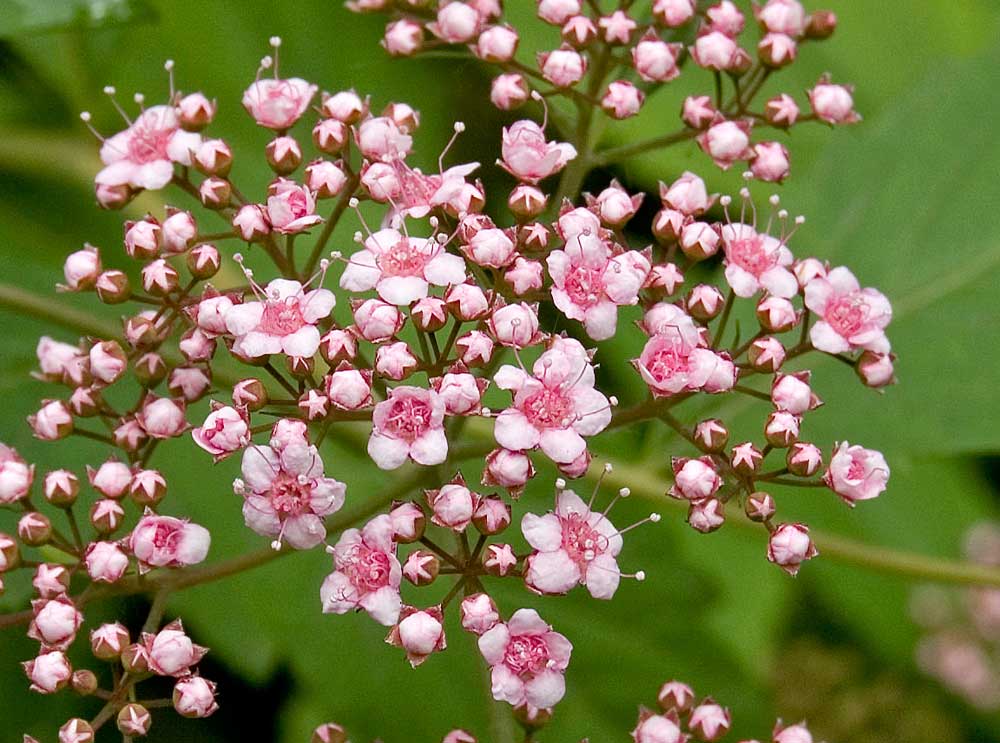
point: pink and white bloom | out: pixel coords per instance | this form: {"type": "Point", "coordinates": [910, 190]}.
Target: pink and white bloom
{"type": "Point", "coordinates": [277, 104]}
{"type": "Point", "coordinates": [55, 622]}
{"type": "Point", "coordinates": [527, 659]}
{"type": "Point", "coordinates": [792, 393]}
{"type": "Point", "coordinates": [655, 60]}
{"type": "Point", "coordinates": [479, 613]}
{"type": "Point", "coordinates": [171, 652]}
{"type": "Point", "coordinates": [789, 546]}
{"type": "Point", "coordinates": [674, 360]}
{"type": "Point", "coordinates": [515, 325]}
{"type": "Point", "coordinates": [756, 261]}
{"type": "Point", "coordinates": [194, 697]}
{"type": "Point", "coordinates": [106, 562]}
{"type": "Point", "coordinates": [528, 157]}
{"type": "Point", "coordinates": [162, 417]}
{"type": "Point", "coordinates": [573, 545]}
{"type": "Point", "coordinates": [563, 67]}
{"type": "Point", "coordinates": [16, 476]}
{"type": "Point", "coordinates": [366, 575]}
{"type": "Point", "coordinates": [456, 23]}
{"type": "Point", "coordinates": [453, 504]}
{"type": "Point", "coordinates": [694, 479]}
{"type": "Point", "coordinates": [849, 318]}
{"type": "Point", "coordinates": [726, 142]}
{"type": "Point", "coordinates": [856, 473]}
{"type": "Point", "coordinates": [555, 407]}
{"type": "Point", "coordinates": [461, 392]}
{"type": "Point", "coordinates": [409, 424]}
{"type": "Point", "coordinates": [490, 247]}
{"type": "Point", "coordinates": [286, 495]}
{"type": "Point", "coordinates": [381, 139]}
{"type": "Point", "coordinates": [622, 99]}
{"type": "Point", "coordinates": [48, 672]}
{"type": "Point", "coordinates": [590, 282]}
{"type": "Point", "coordinates": [225, 430]}
{"type": "Point", "coordinates": [400, 268]}
{"type": "Point", "coordinates": [833, 103]}
{"type": "Point", "coordinates": [291, 208]}
{"type": "Point", "coordinates": [715, 50]}
{"type": "Point", "coordinates": [143, 155]}
{"type": "Point", "coordinates": [283, 322]}
{"type": "Point", "coordinates": [419, 632]}
{"type": "Point", "coordinates": [164, 541]}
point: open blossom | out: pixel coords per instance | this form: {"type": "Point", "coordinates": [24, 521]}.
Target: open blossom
{"type": "Point", "coordinates": [225, 430]}
{"type": "Point", "coordinates": [856, 473]}
{"type": "Point", "coordinates": [849, 317]}
{"type": "Point", "coordinates": [291, 208]}
{"type": "Point", "coordinates": [590, 282]}
{"type": "Point", "coordinates": [401, 268]}
{"type": "Point", "coordinates": [410, 423]}
{"type": "Point", "coordinates": [527, 660]}
{"type": "Point", "coordinates": [555, 406]}
{"type": "Point", "coordinates": [277, 104]}
{"type": "Point", "coordinates": [572, 545]}
{"type": "Point", "coordinates": [165, 541]}
{"type": "Point", "coordinates": [528, 157]}
{"type": "Point", "coordinates": [674, 359]}
{"type": "Point", "coordinates": [366, 573]}
{"type": "Point", "coordinates": [283, 322]}
{"type": "Point", "coordinates": [286, 495]}
{"type": "Point", "coordinates": [756, 261]}
{"type": "Point", "coordinates": [143, 155]}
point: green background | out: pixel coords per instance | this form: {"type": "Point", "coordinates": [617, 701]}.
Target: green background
{"type": "Point", "coordinates": [908, 199]}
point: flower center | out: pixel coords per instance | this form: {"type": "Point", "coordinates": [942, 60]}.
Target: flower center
{"type": "Point", "coordinates": [750, 255]}
{"type": "Point", "coordinates": [668, 361]}
{"type": "Point", "coordinates": [289, 497]}
{"type": "Point", "coordinates": [165, 536]}
{"type": "Point", "coordinates": [856, 471]}
{"type": "Point", "coordinates": [549, 408]}
{"type": "Point", "coordinates": [148, 143]}
{"type": "Point", "coordinates": [584, 285]}
{"type": "Point", "coordinates": [404, 258]}
{"type": "Point", "coordinates": [408, 419]}
{"type": "Point", "coordinates": [281, 317]}
{"type": "Point", "coordinates": [847, 314]}
{"type": "Point", "coordinates": [367, 569]}
{"type": "Point", "coordinates": [581, 541]}
{"type": "Point", "coordinates": [526, 654]}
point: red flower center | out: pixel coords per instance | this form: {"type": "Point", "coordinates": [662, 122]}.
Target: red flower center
{"type": "Point", "coordinates": [750, 255]}
{"type": "Point", "coordinates": [526, 654]}
{"type": "Point", "coordinates": [403, 259]}
{"type": "Point", "coordinates": [289, 497]}
{"type": "Point", "coordinates": [584, 285]}
{"type": "Point", "coordinates": [408, 419]}
{"type": "Point", "coordinates": [581, 541]}
{"type": "Point", "coordinates": [368, 569]}
{"type": "Point", "coordinates": [148, 143]}
{"type": "Point", "coordinates": [847, 315]}
{"type": "Point", "coordinates": [549, 408]}
{"type": "Point", "coordinates": [281, 317]}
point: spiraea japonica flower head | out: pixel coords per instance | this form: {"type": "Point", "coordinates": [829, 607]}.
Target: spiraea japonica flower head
{"type": "Point", "coordinates": [527, 660]}
{"type": "Point", "coordinates": [286, 495]}
{"type": "Point", "coordinates": [408, 424]}
{"type": "Point", "coordinates": [848, 317]}
{"type": "Point", "coordinates": [366, 573]}
{"type": "Point", "coordinates": [756, 261]}
{"type": "Point", "coordinates": [555, 406]}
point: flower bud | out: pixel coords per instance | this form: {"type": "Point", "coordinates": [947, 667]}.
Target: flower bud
{"type": "Point", "coordinates": [699, 240]}
{"type": "Point", "coordinates": [508, 469]}
{"type": "Point", "coordinates": [135, 658]}
{"type": "Point", "coordinates": [492, 515]}
{"type": "Point", "coordinates": [509, 91]}
{"type": "Point", "coordinates": [759, 506]}
{"type": "Point", "coordinates": [526, 202]}
{"type": "Point", "coordinates": [467, 302]}
{"type": "Point", "coordinates": [524, 276]}
{"type": "Point", "coordinates": [704, 302]}
{"type": "Point", "coordinates": [789, 546]}
{"type": "Point", "coordinates": [142, 238]}
{"type": "Point", "coordinates": [113, 287]}
{"type": "Point", "coordinates": [673, 13]}
{"type": "Point", "coordinates": [195, 111]}
{"type": "Point", "coordinates": [109, 640]}
{"type": "Point", "coordinates": [475, 348]}
{"type": "Point", "coordinates": [770, 162]}
{"type": "Point", "coordinates": [456, 23]}
{"type": "Point", "coordinates": [563, 67]}
{"type": "Point", "coordinates": [325, 179]}
{"type": "Point", "coordinates": [459, 736]}
{"type": "Point", "coordinates": [478, 613]}
{"type": "Point", "coordinates": [395, 361]}
{"type": "Point", "coordinates": [777, 50]}
{"type": "Point", "coordinates": [76, 730]}
{"type": "Point", "coordinates": [284, 154]}
{"type": "Point", "coordinates": [499, 559]}
{"type": "Point", "coordinates": [16, 476]}
{"type": "Point", "coordinates": [746, 459]}
{"type": "Point", "coordinates": [51, 580]}
{"type": "Point", "coordinates": [792, 393]}
{"type": "Point", "coordinates": [497, 44]}
{"type": "Point", "coordinates": [781, 429]}
{"type": "Point", "coordinates": [134, 720]}
{"type": "Point", "coordinates": [421, 567]}
{"type": "Point", "coordinates": [84, 682]}
{"type": "Point", "coordinates": [821, 24]}
{"type": "Point", "coordinates": [250, 393]}
{"type": "Point", "coordinates": [113, 197]}
{"type": "Point", "coordinates": [140, 332]}
{"type": "Point", "coordinates": [129, 435]}
{"type": "Point", "coordinates": [148, 488]}
{"type": "Point", "coordinates": [48, 672]}
{"type": "Point", "coordinates": [403, 38]}
{"type": "Point", "coordinates": [159, 278]}
{"type": "Point", "coordinates": [804, 459]}
{"type": "Point", "coordinates": [34, 529]}
{"type": "Point", "coordinates": [376, 320]}
{"type": "Point", "coordinates": [106, 562]}
{"type": "Point", "coordinates": [111, 479]}
{"type": "Point", "coordinates": [766, 354]}
{"type": "Point", "coordinates": [194, 697]}
{"type": "Point", "coordinates": [712, 435]}
{"type": "Point", "coordinates": [675, 695]}
{"type": "Point", "coordinates": [215, 192]}
{"type": "Point", "coordinates": [706, 515]}
{"type": "Point", "coordinates": [452, 505]}
{"type": "Point", "coordinates": [55, 622]}
{"type": "Point", "coordinates": [668, 225]}
{"type": "Point", "coordinates": [622, 100]}
{"type": "Point", "coordinates": [82, 268]}
{"type": "Point", "coordinates": [214, 158]}
{"type": "Point", "coordinates": [9, 555]}
{"type": "Point", "coordinates": [329, 732]}
{"type": "Point", "coordinates": [515, 325]}
{"type": "Point", "coordinates": [698, 111]}
{"type": "Point", "coordinates": [709, 721]}
{"type": "Point", "coordinates": [251, 223]}
{"type": "Point", "coordinates": [338, 345]}
{"type": "Point", "coordinates": [781, 111]}
{"type": "Point", "coordinates": [579, 31]}
{"type": "Point", "coordinates": [106, 515]}
{"type": "Point", "coordinates": [875, 369]}
{"type": "Point", "coordinates": [150, 369]}
{"type": "Point", "coordinates": [178, 231]}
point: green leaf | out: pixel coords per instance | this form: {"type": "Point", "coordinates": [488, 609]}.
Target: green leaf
{"type": "Point", "coordinates": [41, 16]}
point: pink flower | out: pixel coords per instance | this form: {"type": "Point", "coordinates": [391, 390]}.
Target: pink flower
{"type": "Point", "coordinates": [460, 391]}
{"type": "Point", "coordinates": [278, 104]}
{"type": "Point", "coordinates": [403, 38]}
{"type": "Point", "coordinates": [725, 17]}
{"type": "Point", "coordinates": [563, 67]}
{"type": "Point", "coordinates": [380, 139]}
{"type": "Point", "coordinates": [655, 60]}
{"type": "Point", "coordinates": [782, 110]}
{"type": "Point", "coordinates": [143, 155]}
{"type": "Point", "coordinates": [658, 728]}
{"type": "Point", "coordinates": [789, 546]}
{"type": "Point", "coordinates": [479, 613]}
{"type": "Point", "coordinates": [856, 473]}
{"type": "Point", "coordinates": [832, 103]}
{"type": "Point", "coordinates": [55, 622]}
{"type": "Point", "coordinates": [876, 369]}
{"type": "Point", "coordinates": [456, 23]}
{"type": "Point", "coordinates": [420, 632]}
{"type": "Point", "coordinates": [782, 17]}
{"type": "Point", "coordinates": [694, 479]}
{"type": "Point", "coordinates": [162, 418]}
{"type": "Point", "coordinates": [284, 322]}
{"type": "Point", "coordinates": [555, 407]}
{"type": "Point", "coordinates": [756, 261]}
{"type": "Point", "coordinates": [194, 697]}
{"type": "Point", "coordinates": [61, 362]}
{"type": "Point", "coordinates": [572, 545]}
{"type": "Point", "coordinates": [590, 282]}
{"type": "Point", "coordinates": [105, 561]}
{"type": "Point", "coordinates": [726, 142]}
{"type": "Point", "coordinates": [81, 269]}
{"type": "Point", "coordinates": [497, 44]}
{"type": "Point", "coordinates": [670, 361]}
{"type": "Point", "coordinates": [791, 733]}
{"type": "Point", "coordinates": [410, 423]}
{"type": "Point", "coordinates": [528, 157]}
{"type": "Point", "coordinates": [527, 660]}
{"type": "Point", "coordinates": [170, 651]}
{"type": "Point", "coordinates": [224, 431]}
{"type": "Point", "coordinates": [698, 111]}
{"type": "Point", "coordinates": [508, 469]}
{"type": "Point", "coordinates": [710, 721]}
{"type": "Point", "coordinates": [674, 13]}
{"type": "Point", "coordinates": [524, 276]}
{"type": "Point", "coordinates": [291, 208]}
{"type": "Point", "coordinates": [48, 672]}
{"type": "Point", "coordinates": [400, 268]}
{"type": "Point", "coordinates": [792, 393]}
{"type": "Point", "coordinates": [515, 325]}
{"type": "Point", "coordinates": [622, 99]}
{"type": "Point", "coordinates": [509, 91]}
{"type": "Point", "coordinates": [770, 162]}
{"type": "Point", "coordinates": [491, 247]}
{"type": "Point", "coordinates": [715, 50]}
{"type": "Point", "coordinates": [16, 476]}
{"type": "Point", "coordinates": [164, 541]}
{"type": "Point", "coordinates": [557, 12]}
{"type": "Point", "coordinates": [850, 318]}
{"type": "Point", "coordinates": [453, 504]}
{"type": "Point", "coordinates": [366, 575]}
{"type": "Point", "coordinates": [286, 495]}
{"type": "Point", "coordinates": [53, 421]}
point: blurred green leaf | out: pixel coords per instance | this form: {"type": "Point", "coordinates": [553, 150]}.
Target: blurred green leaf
{"type": "Point", "coordinates": [22, 17]}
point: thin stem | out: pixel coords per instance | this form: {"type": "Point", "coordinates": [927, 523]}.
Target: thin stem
{"type": "Point", "coordinates": [331, 223]}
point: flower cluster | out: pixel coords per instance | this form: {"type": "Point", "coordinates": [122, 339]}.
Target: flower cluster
{"type": "Point", "coordinates": [461, 342]}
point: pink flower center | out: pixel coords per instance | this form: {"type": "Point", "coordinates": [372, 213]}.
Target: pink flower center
{"type": "Point", "coordinates": [584, 285]}
{"type": "Point", "coordinates": [550, 407]}
{"type": "Point", "coordinates": [408, 419]}
{"type": "Point", "coordinates": [581, 541]}
{"type": "Point", "coordinates": [165, 536]}
{"type": "Point", "coordinates": [857, 470]}
{"type": "Point", "coordinates": [750, 255]}
{"type": "Point", "coordinates": [417, 188]}
{"type": "Point", "coordinates": [148, 143]}
{"type": "Point", "coordinates": [281, 317]}
{"type": "Point", "coordinates": [667, 361]}
{"type": "Point", "coordinates": [367, 569]}
{"type": "Point", "coordinates": [403, 259]}
{"type": "Point", "coordinates": [526, 654]}
{"type": "Point", "coordinates": [297, 204]}
{"type": "Point", "coordinates": [289, 497]}
{"type": "Point", "coordinates": [847, 315]}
